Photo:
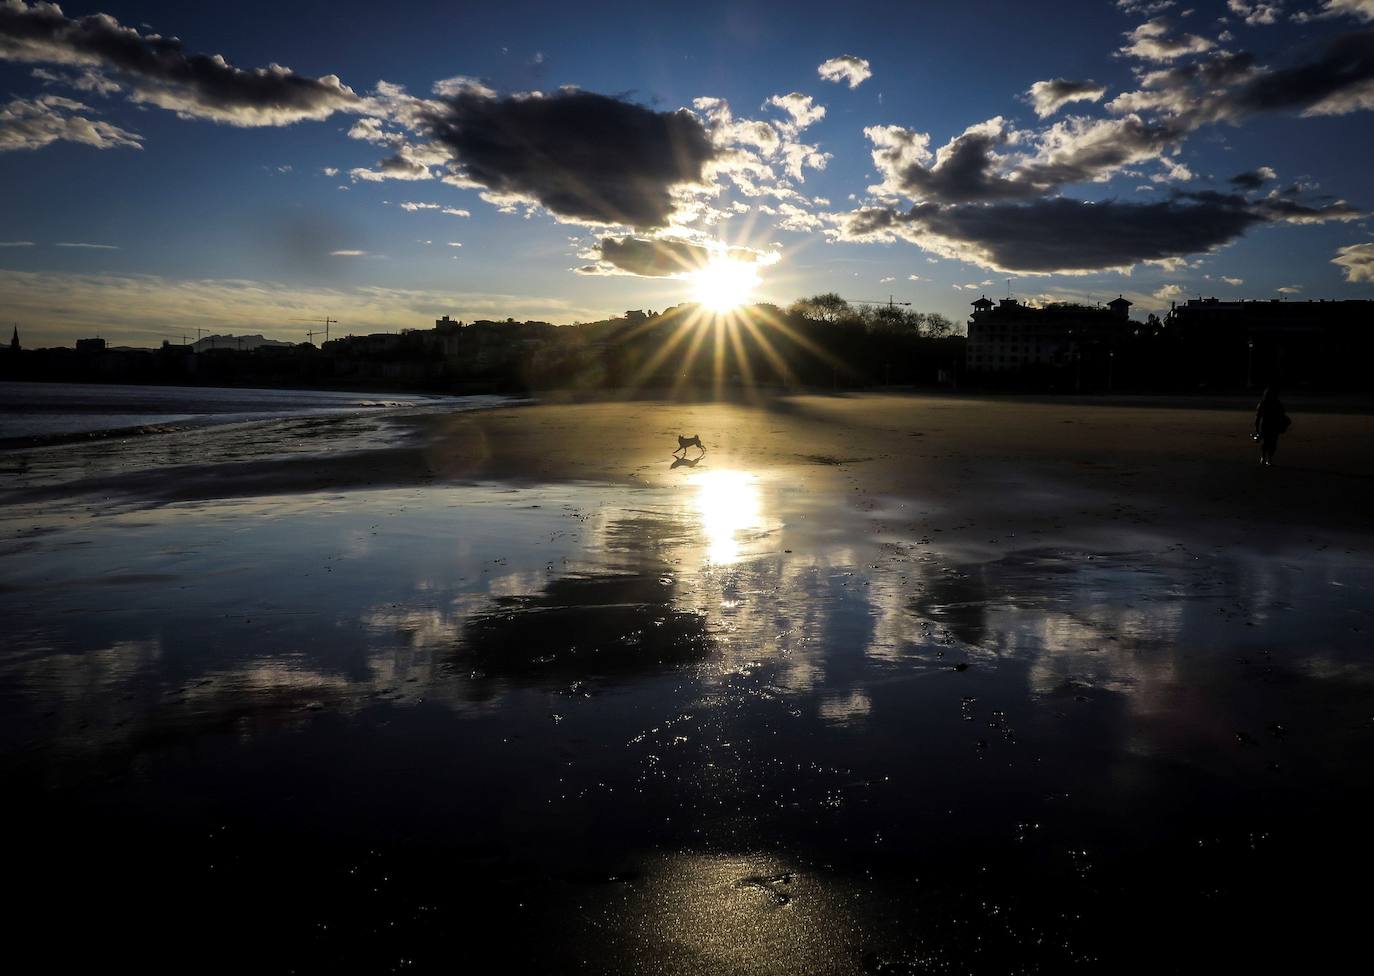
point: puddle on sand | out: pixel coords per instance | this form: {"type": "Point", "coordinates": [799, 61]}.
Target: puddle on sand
{"type": "Point", "coordinates": [732, 726]}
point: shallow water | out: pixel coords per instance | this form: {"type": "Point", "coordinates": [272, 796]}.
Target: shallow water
{"type": "Point", "coordinates": [54, 412]}
{"type": "Point", "coordinates": [728, 725]}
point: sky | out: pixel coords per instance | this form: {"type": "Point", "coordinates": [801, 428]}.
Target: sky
{"type": "Point", "coordinates": [167, 167]}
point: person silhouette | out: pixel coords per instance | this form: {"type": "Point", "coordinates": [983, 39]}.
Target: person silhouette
{"type": "Point", "coordinates": [1270, 422]}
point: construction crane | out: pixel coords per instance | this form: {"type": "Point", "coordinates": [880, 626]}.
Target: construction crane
{"type": "Point", "coordinates": [868, 301]}
{"type": "Point", "coordinates": [310, 333]}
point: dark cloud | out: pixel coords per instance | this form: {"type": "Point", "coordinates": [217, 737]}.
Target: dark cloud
{"type": "Point", "coordinates": [662, 257]}
{"type": "Point", "coordinates": [1228, 87]}
{"type": "Point", "coordinates": [1340, 81]}
{"type": "Point", "coordinates": [159, 71]}
{"type": "Point", "coordinates": [1067, 236]}
{"type": "Point", "coordinates": [1253, 179]}
{"type": "Point", "coordinates": [581, 155]}
{"type": "Point", "coordinates": [966, 171]}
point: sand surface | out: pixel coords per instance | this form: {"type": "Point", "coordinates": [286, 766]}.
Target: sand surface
{"type": "Point", "coordinates": [881, 684]}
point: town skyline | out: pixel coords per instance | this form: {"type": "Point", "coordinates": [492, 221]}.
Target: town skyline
{"type": "Point", "coordinates": [1135, 148]}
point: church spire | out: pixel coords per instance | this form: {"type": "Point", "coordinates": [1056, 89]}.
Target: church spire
{"type": "Point", "coordinates": [14, 343]}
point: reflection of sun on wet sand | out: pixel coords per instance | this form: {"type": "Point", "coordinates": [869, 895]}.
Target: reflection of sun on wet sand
{"type": "Point", "coordinates": [821, 700]}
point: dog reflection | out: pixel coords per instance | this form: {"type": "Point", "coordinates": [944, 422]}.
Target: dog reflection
{"type": "Point", "coordinates": [684, 461]}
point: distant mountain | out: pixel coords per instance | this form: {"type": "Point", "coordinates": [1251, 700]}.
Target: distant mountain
{"type": "Point", "coordinates": [246, 343]}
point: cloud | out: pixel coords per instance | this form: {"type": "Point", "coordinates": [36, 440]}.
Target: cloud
{"type": "Point", "coordinates": [1169, 293]}
{"type": "Point", "coordinates": [800, 109]}
{"type": "Point", "coordinates": [38, 122]}
{"type": "Point", "coordinates": [1255, 14]}
{"type": "Point", "coordinates": [663, 257]}
{"type": "Point", "coordinates": [407, 163]}
{"type": "Point", "coordinates": [1289, 290]}
{"type": "Point", "coordinates": [1048, 97]}
{"type": "Point", "coordinates": [1360, 9]}
{"type": "Point", "coordinates": [1253, 179]}
{"type": "Point", "coordinates": [87, 80]}
{"type": "Point", "coordinates": [1233, 282]}
{"type": "Point", "coordinates": [92, 247]}
{"type": "Point", "coordinates": [16, 243]}
{"type": "Point", "coordinates": [160, 72]}
{"type": "Point", "coordinates": [1228, 87]}
{"type": "Point", "coordinates": [1151, 42]}
{"type": "Point", "coordinates": [451, 211]}
{"type": "Point", "coordinates": [1356, 262]}
{"type": "Point", "coordinates": [846, 68]}
{"type": "Point", "coordinates": [970, 169]}
{"type": "Point", "coordinates": [1144, 8]}
{"type": "Point", "coordinates": [582, 156]}
{"type": "Point", "coordinates": [1065, 236]}
{"type": "Point", "coordinates": [348, 254]}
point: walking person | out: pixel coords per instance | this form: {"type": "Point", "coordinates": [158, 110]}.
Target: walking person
{"type": "Point", "coordinates": [1270, 422]}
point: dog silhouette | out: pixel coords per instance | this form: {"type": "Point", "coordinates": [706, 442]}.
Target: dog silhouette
{"type": "Point", "coordinates": [694, 441]}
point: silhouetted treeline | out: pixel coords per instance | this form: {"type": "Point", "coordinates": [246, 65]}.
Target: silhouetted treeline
{"type": "Point", "coordinates": [815, 343]}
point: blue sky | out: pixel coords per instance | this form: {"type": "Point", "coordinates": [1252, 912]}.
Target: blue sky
{"type": "Point", "coordinates": [228, 200]}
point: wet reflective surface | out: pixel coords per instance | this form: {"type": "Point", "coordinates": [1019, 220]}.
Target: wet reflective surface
{"type": "Point", "coordinates": [732, 724]}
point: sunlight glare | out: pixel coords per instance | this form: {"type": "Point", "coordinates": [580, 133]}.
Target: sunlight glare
{"type": "Point", "coordinates": [728, 504]}
{"type": "Point", "coordinates": [724, 284]}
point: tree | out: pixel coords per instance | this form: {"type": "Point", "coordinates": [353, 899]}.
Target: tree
{"type": "Point", "coordinates": [936, 326]}
{"type": "Point", "coordinates": [828, 307]}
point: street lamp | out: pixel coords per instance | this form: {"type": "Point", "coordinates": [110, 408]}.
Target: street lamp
{"type": "Point", "coordinates": [1249, 361]}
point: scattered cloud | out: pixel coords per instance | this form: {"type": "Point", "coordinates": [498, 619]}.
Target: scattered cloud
{"type": "Point", "coordinates": [801, 109]}
{"type": "Point", "coordinates": [1256, 14]}
{"type": "Point", "coordinates": [92, 247]}
{"type": "Point", "coordinates": [1048, 97]}
{"type": "Point", "coordinates": [1233, 282]}
{"type": "Point", "coordinates": [159, 71]}
{"type": "Point", "coordinates": [847, 68]}
{"type": "Point", "coordinates": [1253, 179]}
{"type": "Point", "coordinates": [16, 244]}
{"type": "Point", "coordinates": [1359, 9]}
{"type": "Point", "coordinates": [32, 123]}
{"type": "Point", "coordinates": [348, 254]}
{"type": "Point", "coordinates": [1289, 290]}
{"type": "Point", "coordinates": [1151, 41]}
{"type": "Point", "coordinates": [1356, 262]}
{"type": "Point", "coordinates": [1169, 293]}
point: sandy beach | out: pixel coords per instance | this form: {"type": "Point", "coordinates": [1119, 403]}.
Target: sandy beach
{"type": "Point", "coordinates": [879, 684]}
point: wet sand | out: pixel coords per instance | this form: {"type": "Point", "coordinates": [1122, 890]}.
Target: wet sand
{"type": "Point", "coordinates": [881, 685]}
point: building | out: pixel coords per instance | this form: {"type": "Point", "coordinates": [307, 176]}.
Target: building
{"type": "Point", "coordinates": [1012, 336]}
{"type": "Point", "coordinates": [90, 345]}
{"type": "Point", "coordinates": [14, 342]}
{"type": "Point", "coordinates": [1317, 344]}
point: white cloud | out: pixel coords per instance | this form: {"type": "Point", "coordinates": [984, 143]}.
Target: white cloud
{"type": "Point", "coordinates": [16, 243]}
{"type": "Point", "coordinates": [38, 122]}
{"type": "Point", "coordinates": [1048, 97]}
{"type": "Point", "coordinates": [801, 109]}
{"type": "Point", "coordinates": [1233, 282]}
{"type": "Point", "coordinates": [1289, 290]}
{"type": "Point", "coordinates": [348, 254]}
{"type": "Point", "coordinates": [1151, 41]}
{"type": "Point", "coordinates": [1169, 293]}
{"type": "Point", "coordinates": [846, 68]}
{"type": "Point", "coordinates": [1356, 261]}
{"type": "Point", "coordinates": [91, 247]}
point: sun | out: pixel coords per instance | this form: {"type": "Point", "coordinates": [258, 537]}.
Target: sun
{"type": "Point", "coordinates": [724, 284]}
